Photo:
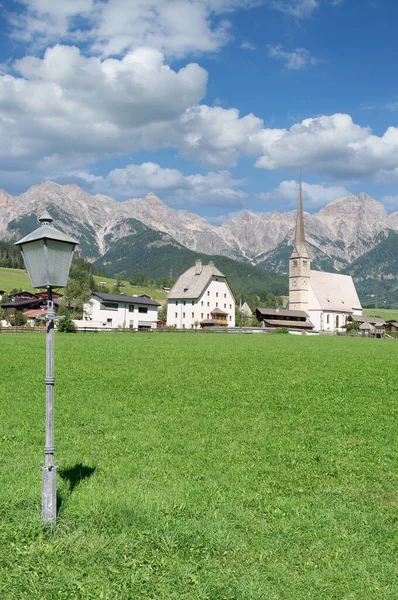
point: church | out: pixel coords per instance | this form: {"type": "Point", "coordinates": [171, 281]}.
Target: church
{"type": "Point", "coordinates": [327, 298]}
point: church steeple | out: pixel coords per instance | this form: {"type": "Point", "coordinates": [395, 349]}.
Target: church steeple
{"type": "Point", "coordinates": [300, 248]}
{"type": "Point", "coordinates": [299, 264]}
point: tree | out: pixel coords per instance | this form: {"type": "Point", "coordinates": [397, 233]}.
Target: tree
{"type": "Point", "coordinates": [18, 319]}
{"type": "Point", "coordinates": [162, 313]}
{"type": "Point", "coordinates": [77, 295]}
{"type": "Point", "coordinates": [66, 325]}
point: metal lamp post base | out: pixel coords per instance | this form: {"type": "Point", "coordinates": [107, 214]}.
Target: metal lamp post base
{"type": "Point", "coordinates": [49, 494]}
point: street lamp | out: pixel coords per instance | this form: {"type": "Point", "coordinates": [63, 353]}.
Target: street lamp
{"type": "Point", "coordinates": [47, 254]}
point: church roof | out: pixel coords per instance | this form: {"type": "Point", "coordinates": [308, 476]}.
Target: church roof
{"type": "Point", "coordinates": [334, 292]}
{"type": "Point", "coordinates": [300, 248]}
{"type": "Point", "coordinates": [193, 282]}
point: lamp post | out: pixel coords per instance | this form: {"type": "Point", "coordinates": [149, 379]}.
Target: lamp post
{"type": "Point", "coordinates": [47, 254]}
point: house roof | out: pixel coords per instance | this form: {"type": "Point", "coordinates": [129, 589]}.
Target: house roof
{"type": "Point", "coordinates": [20, 303]}
{"type": "Point", "coordinates": [37, 312]}
{"type": "Point", "coordinates": [334, 292]}
{"type": "Point", "coordinates": [218, 311]}
{"type": "Point", "coordinates": [392, 323]}
{"type": "Point", "coordinates": [378, 321]}
{"type": "Point", "coordinates": [294, 324]}
{"type": "Point", "coordinates": [365, 326]}
{"type": "Point", "coordinates": [281, 311]}
{"type": "Point", "coordinates": [193, 282]}
{"type": "Point", "coordinates": [210, 322]}
{"type": "Point", "coordinates": [126, 299]}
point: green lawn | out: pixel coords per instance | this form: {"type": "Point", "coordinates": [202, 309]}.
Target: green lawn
{"type": "Point", "coordinates": [385, 314]}
{"type": "Point", "coordinates": [14, 278]}
{"type": "Point", "coordinates": [235, 467]}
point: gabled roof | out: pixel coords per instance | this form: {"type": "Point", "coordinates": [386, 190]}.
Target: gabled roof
{"type": "Point", "coordinates": [335, 292]}
{"type": "Point", "coordinates": [378, 321]}
{"type": "Point", "coordinates": [126, 299]}
{"type": "Point", "coordinates": [282, 312]}
{"type": "Point", "coordinates": [293, 324]}
{"type": "Point", "coordinates": [218, 311]}
{"type": "Point", "coordinates": [191, 284]}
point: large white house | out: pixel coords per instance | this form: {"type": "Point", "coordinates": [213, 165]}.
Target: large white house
{"type": "Point", "coordinates": [201, 295]}
{"type": "Point", "coordinates": [118, 310]}
{"type": "Point", "coordinates": [327, 298]}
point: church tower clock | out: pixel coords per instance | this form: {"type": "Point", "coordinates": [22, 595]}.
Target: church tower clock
{"type": "Point", "coordinates": [299, 263]}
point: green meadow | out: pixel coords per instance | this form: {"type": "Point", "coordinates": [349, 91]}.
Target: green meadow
{"type": "Point", "coordinates": [202, 467]}
{"type": "Point", "coordinates": [18, 278]}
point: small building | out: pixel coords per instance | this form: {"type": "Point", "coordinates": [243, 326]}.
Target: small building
{"type": "Point", "coordinates": [245, 310]}
{"type": "Point", "coordinates": [392, 326]}
{"type": "Point", "coordinates": [371, 325]}
{"type": "Point", "coordinates": [279, 317]}
{"type": "Point", "coordinates": [118, 310]}
{"type": "Point", "coordinates": [200, 295]}
{"type": "Point", "coordinates": [15, 305]}
{"type": "Point", "coordinates": [35, 316]}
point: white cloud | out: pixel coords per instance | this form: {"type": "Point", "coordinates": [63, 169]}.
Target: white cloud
{"type": "Point", "coordinates": [314, 195]}
{"type": "Point", "coordinates": [330, 145]}
{"type": "Point", "coordinates": [113, 27]}
{"type": "Point", "coordinates": [218, 189]}
{"type": "Point", "coordinates": [247, 46]}
{"type": "Point", "coordinates": [300, 9]}
{"type": "Point", "coordinates": [298, 59]}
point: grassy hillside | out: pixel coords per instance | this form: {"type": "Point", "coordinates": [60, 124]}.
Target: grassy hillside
{"type": "Point", "coordinates": [192, 467]}
{"type": "Point", "coordinates": [14, 278]}
{"type": "Point", "coordinates": [380, 312]}
{"type": "Point", "coordinates": [18, 278]}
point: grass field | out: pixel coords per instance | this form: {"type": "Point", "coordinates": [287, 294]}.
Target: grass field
{"type": "Point", "coordinates": [202, 467]}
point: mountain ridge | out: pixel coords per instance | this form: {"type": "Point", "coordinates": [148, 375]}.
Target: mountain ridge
{"type": "Point", "coordinates": [339, 233]}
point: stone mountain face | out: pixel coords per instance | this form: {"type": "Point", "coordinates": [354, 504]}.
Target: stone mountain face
{"type": "Point", "coordinates": [340, 232]}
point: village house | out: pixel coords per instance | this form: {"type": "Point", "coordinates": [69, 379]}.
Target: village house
{"type": "Point", "coordinates": [368, 325]}
{"type": "Point", "coordinates": [202, 296]}
{"type": "Point", "coordinates": [392, 326]}
{"type": "Point", "coordinates": [118, 310]}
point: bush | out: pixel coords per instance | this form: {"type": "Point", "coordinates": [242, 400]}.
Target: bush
{"type": "Point", "coordinates": [282, 330]}
{"type": "Point", "coordinates": [18, 320]}
{"type": "Point", "coordinates": [66, 325]}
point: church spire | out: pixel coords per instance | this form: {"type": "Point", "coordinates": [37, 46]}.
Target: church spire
{"type": "Point", "coordinates": [300, 249]}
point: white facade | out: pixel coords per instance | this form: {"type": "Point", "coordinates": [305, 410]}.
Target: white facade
{"type": "Point", "coordinates": [112, 311]}
{"type": "Point", "coordinates": [209, 292]}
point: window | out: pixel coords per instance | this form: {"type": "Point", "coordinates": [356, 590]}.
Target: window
{"type": "Point", "coordinates": [304, 263]}
{"type": "Point", "coordinates": [131, 307]}
{"type": "Point", "coordinates": [337, 321]}
{"type": "Point", "coordinates": [225, 295]}
{"type": "Point", "coordinates": [176, 315]}
{"type": "Point", "coordinates": [202, 303]}
{"type": "Point", "coordinates": [295, 263]}
{"type": "Point", "coordinates": [109, 306]}
{"type": "Point", "coordinates": [183, 326]}
{"type": "Point", "coordinates": [142, 309]}
{"type": "Point", "coordinates": [216, 294]}
{"type": "Point", "coordinates": [201, 315]}
{"type": "Point", "coordinates": [208, 293]}
{"type": "Point", "coordinates": [230, 306]}
{"type": "Point", "coordinates": [225, 306]}
{"type": "Point", "coordinates": [193, 314]}
{"type": "Point", "coordinates": [184, 303]}
{"type": "Point", "coordinates": [230, 318]}
{"type": "Point", "coordinates": [183, 315]}
{"type": "Point", "coordinates": [216, 304]}
{"type": "Point", "coordinates": [328, 319]}
{"type": "Point", "coordinates": [207, 315]}
{"type": "Point", "coordinates": [176, 302]}
{"type": "Point", "coordinates": [208, 304]}
{"type": "Point", "coordinates": [109, 321]}
{"type": "Point", "coordinates": [193, 302]}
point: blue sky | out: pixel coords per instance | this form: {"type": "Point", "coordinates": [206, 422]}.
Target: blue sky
{"type": "Point", "coordinates": [213, 105]}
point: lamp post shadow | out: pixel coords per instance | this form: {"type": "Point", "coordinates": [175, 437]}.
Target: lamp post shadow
{"type": "Point", "coordinates": [73, 476]}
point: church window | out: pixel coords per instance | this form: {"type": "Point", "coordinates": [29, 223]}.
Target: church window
{"type": "Point", "coordinates": [305, 263]}
{"type": "Point", "coordinates": [295, 263]}
{"type": "Point", "coordinates": [337, 321]}
{"type": "Point", "coordinates": [328, 319]}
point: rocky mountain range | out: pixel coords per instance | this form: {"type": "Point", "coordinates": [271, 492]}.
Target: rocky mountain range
{"type": "Point", "coordinates": [338, 234]}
